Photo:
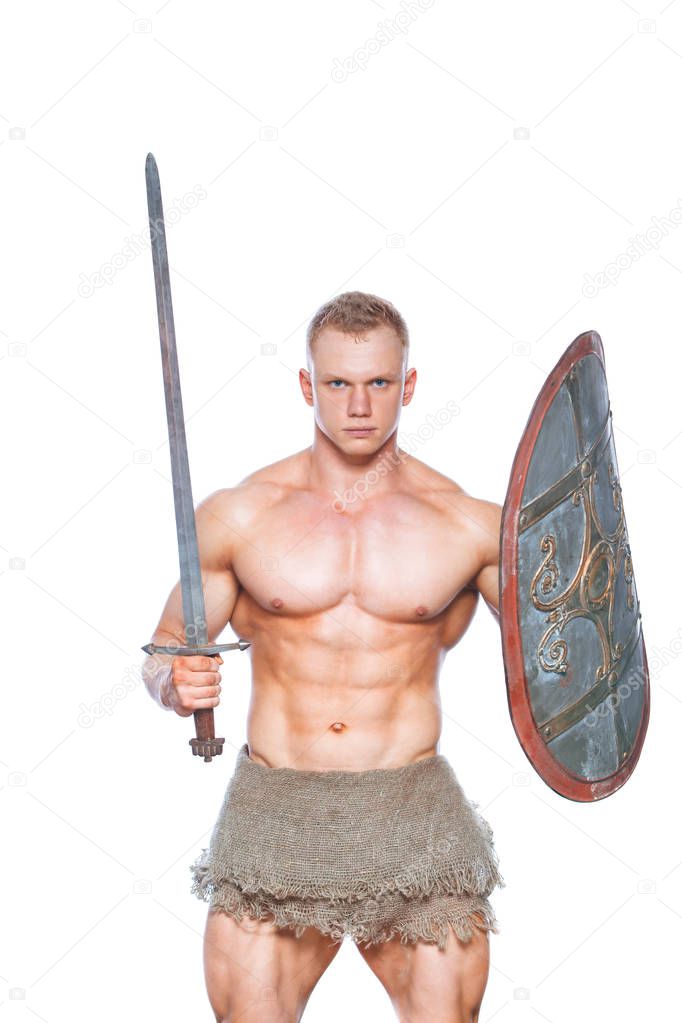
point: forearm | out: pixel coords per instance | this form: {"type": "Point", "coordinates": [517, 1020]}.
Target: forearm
{"type": "Point", "coordinates": [156, 675]}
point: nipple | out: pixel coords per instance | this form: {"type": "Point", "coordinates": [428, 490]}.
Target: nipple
{"type": "Point", "coordinates": [421, 610]}
{"type": "Point", "coordinates": [276, 602]}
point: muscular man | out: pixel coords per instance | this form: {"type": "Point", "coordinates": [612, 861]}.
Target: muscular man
{"type": "Point", "coordinates": [351, 567]}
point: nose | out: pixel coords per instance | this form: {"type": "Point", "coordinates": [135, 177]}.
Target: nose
{"type": "Point", "coordinates": [359, 403]}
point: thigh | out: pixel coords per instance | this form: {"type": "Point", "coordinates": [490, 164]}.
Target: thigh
{"type": "Point", "coordinates": [257, 973]}
{"type": "Point", "coordinates": [430, 985]}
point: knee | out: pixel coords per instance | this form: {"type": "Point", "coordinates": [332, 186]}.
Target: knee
{"type": "Point", "coordinates": [264, 1006]}
{"type": "Point", "coordinates": [256, 1014]}
{"type": "Point", "coordinates": [456, 1010]}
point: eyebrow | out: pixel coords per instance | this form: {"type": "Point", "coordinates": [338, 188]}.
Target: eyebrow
{"type": "Point", "coordinates": [377, 376]}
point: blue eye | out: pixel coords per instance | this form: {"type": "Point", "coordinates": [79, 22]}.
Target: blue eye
{"type": "Point", "coordinates": [380, 380]}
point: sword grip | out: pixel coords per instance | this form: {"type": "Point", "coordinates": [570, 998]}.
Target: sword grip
{"type": "Point", "coordinates": [205, 744]}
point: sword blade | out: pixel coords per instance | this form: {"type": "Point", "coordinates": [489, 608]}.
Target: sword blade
{"type": "Point", "coordinates": [193, 608]}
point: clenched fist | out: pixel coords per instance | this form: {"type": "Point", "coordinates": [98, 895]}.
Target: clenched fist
{"type": "Point", "coordinates": [191, 683]}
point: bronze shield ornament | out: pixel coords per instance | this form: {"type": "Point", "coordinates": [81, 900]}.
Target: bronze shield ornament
{"type": "Point", "coordinates": [572, 642]}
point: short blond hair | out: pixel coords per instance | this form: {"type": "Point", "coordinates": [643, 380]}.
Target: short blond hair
{"type": "Point", "coordinates": [354, 311]}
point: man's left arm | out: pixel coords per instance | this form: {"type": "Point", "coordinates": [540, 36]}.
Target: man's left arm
{"type": "Point", "coordinates": [485, 521]}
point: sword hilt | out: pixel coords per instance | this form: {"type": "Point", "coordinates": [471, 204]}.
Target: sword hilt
{"type": "Point", "coordinates": [205, 744]}
{"type": "Point", "coordinates": [189, 651]}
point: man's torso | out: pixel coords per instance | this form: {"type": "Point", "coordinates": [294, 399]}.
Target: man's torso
{"type": "Point", "coordinates": [349, 613]}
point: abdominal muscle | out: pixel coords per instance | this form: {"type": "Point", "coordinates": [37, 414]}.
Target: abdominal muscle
{"type": "Point", "coordinates": [316, 706]}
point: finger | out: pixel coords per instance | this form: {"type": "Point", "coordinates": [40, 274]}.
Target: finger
{"type": "Point", "coordinates": [200, 678]}
{"type": "Point", "coordinates": [196, 662]}
{"type": "Point", "coordinates": [199, 693]}
{"type": "Point", "coordinates": [208, 699]}
{"type": "Point", "coordinates": [201, 703]}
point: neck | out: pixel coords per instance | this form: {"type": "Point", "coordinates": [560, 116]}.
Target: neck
{"type": "Point", "coordinates": [349, 478]}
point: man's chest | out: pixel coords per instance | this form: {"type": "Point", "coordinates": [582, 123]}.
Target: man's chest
{"type": "Point", "coordinates": [399, 559]}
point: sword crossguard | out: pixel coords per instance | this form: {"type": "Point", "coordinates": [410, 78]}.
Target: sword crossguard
{"type": "Point", "coordinates": [189, 651]}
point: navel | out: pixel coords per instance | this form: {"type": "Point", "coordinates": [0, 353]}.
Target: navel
{"type": "Point", "coordinates": [338, 726]}
{"type": "Point", "coordinates": [276, 601]}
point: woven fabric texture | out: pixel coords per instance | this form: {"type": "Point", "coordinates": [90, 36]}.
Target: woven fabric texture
{"type": "Point", "coordinates": [372, 854]}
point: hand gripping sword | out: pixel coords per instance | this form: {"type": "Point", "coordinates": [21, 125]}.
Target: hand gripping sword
{"type": "Point", "coordinates": [194, 612]}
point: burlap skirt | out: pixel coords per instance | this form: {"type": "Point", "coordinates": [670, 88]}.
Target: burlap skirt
{"type": "Point", "coordinates": [372, 854]}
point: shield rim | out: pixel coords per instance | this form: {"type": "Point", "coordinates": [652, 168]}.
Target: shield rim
{"type": "Point", "coordinates": [560, 779]}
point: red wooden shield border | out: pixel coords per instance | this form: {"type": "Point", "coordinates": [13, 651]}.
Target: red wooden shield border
{"type": "Point", "coordinates": [564, 782]}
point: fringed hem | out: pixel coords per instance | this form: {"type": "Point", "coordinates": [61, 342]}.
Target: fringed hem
{"type": "Point", "coordinates": [431, 925]}
{"type": "Point", "coordinates": [434, 927]}
{"type": "Point", "coordinates": [479, 877]}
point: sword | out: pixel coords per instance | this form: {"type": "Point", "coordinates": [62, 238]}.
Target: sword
{"type": "Point", "coordinates": [193, 608]}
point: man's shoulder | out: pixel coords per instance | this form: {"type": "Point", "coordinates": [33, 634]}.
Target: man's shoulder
{"type": "Point", "coordinates": [481, 514]}
{"type": "Point", "coordinates": [272, 483]}
{"type": "Point", "coordinates": [429, 481]}
{"type": "Point", "coordinates": [474, 514]}
{"type": "Point", "coordinates": [257, 491]}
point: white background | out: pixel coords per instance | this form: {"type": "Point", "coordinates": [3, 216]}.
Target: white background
{"type": "Point", "coordinates": [473, 171]}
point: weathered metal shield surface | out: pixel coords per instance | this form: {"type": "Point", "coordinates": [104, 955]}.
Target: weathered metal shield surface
{"type": "Point", "coordinates": [574, 656]}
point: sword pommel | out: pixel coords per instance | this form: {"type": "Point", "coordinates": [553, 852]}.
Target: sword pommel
{"type": "Point", "coordinates": [207, 748]}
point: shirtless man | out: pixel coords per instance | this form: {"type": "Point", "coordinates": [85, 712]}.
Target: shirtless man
{"type": "Point", "coordinates": [350, 607]}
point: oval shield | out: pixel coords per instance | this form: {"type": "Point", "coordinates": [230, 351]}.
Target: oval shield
{"type": "Point", "coordinates": [572, 643]}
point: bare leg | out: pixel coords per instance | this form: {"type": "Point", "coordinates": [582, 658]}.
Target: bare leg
{"type": "Point", "coordinates": [256, 973]}
{"type": "Point", "coordinates": [427, 985]}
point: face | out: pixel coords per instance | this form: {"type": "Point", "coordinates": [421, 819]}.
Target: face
{"type": "Point", "coordinates": [357, 386]}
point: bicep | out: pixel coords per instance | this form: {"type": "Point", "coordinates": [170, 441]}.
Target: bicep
{"type": "Point", "coordinates": [221, 590]}
{"type": "Point", "coordinates": [487, 582]}
{"type": "Point", "coordinates": [220, 585]}
{"type": "Point", "coordinates": [486, 523]}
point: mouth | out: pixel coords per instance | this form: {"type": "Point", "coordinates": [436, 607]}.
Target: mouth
{"type": "Point", "coordinates": [361, 431]}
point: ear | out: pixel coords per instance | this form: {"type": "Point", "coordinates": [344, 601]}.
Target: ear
{"type": "Point", "coordinates": [306, 385]}
{"type": "Point", "coordinates": [409, 385]}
